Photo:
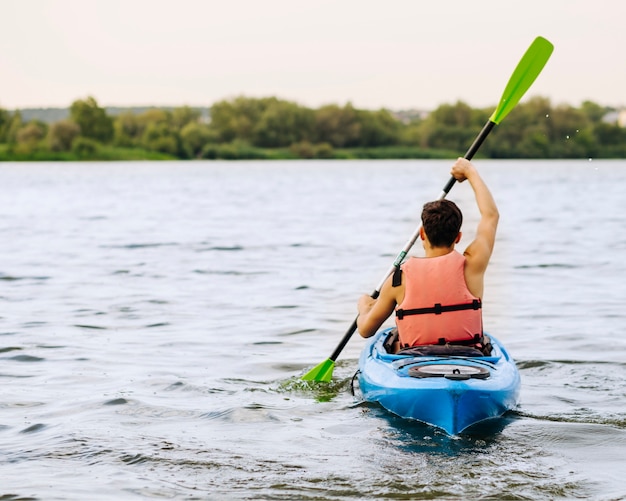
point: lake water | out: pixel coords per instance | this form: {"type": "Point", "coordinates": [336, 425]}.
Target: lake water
{"type": "Point", "coordinates": [155, 319]}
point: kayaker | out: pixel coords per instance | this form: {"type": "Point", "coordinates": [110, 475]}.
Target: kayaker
{"type": "Point", "coordinates": [438, 298]}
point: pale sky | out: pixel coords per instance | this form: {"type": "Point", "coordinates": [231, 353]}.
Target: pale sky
{"type": "Point", "coordinates": [396, 54]}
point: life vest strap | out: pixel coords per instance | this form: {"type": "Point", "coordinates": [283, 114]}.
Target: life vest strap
{"type": "Point", "coordinates": [438, 309]}
{"type": "Point", "coordinates": [479, 342]}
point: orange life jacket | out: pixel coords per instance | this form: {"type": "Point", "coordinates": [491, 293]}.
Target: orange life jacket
{"type": "Point", "coordinates": [437, 307]}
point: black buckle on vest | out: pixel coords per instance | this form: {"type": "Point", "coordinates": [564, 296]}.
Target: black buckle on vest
{"type": "Point", "coordinates": [437, 309]}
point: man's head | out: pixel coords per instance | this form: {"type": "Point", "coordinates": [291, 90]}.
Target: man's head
{"type": "Point", "coordinates": [442, 222]}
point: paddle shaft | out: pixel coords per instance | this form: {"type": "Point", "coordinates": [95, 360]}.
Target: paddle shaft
{"type": "Point", "coordinates": [407, 247]}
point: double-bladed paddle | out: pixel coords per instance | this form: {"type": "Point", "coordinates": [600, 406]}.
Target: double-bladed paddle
{"type": "Point", "coordinates": [526, 71]}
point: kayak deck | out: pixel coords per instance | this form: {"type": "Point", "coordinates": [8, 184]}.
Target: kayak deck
{"type": "Point", "coordinates": [449, 392]}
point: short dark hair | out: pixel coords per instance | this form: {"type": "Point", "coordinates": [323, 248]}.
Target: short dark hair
{"type": "Point", "coordinates": [442, 221]}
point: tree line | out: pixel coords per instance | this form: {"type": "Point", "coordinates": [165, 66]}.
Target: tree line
{"type": "Point", "coordinates": [245, 127]}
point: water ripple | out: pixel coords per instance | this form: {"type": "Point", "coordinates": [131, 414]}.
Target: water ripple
{"type": "Point", "coordinates": [158, 318]}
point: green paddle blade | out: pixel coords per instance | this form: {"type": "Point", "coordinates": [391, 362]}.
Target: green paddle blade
{"type": "Point", "coordinates": [525, 73]}
{"type": "Point", "coordinates": [322, 372]}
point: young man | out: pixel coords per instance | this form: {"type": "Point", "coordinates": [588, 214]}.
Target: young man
{"type": "Point", "coordinates": [437, 298]}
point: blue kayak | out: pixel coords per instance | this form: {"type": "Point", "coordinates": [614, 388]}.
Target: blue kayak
{"type": "Point", "coordinates": [449, 391]}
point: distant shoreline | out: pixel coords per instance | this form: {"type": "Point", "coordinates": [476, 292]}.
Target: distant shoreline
{"type": "Point", "coordinates": [228, 152]}
{"type": "Point", "coordinates": [274, 129]}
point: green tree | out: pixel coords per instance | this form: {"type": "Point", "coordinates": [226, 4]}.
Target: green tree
{"type": "Point", "coordinates": [183, 116]}
{"type": "Point", "coordinates": [337, 126]}
{"type": "Point", "coordinates": [453, 115]}
{"type": "Point", "coordinates": [412, 133]}
{"type": "Point", "coordinates": [161, 130]}
{"type": "Point", "coordinates": [534, 143]}
{"type": "Point", "coordinates": [564, 125]}
{"type": "Point", "coordinates": [130, 129]}
{"type": "Point", "coordinates": [5, 122]}
{"type": "Point", "coordinates": [283, 123]}
{"type": "Point", "coordinates": [127, 130]}
{"type": "Point", "coordinates": [93, 121]}
{"type": "Point", "coordinates": [31, 132]}
{"type": "Point", "coordinates": [610, 140]}
{"type": "Point", "coordinates": [593, 111]}
{"type": "Point", "coordinates": [238, 119]}
{"type": "Point", "coordinates": [62, 134]}
{"type": "Point", "coordinates": [12, 127]}
{"type": "Point", "coordinates": [194, 137]}
{"type": "Point", "coordinates": [609, 134]}
{"type": "Point", "coordinates": [28, 138]}
{"type": "Point", "coordinates": [159, 137]}
{"type": "Point", "coordinates": [451, 127]}
{"type": "Point", "coordinates": [85, 147]}
{"type": "Point", "coordinates": [378, 128]}
{"type": "Point", "coordinates": [154, 116]}
{"type": "Point", "coordinates": [509, 140]}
